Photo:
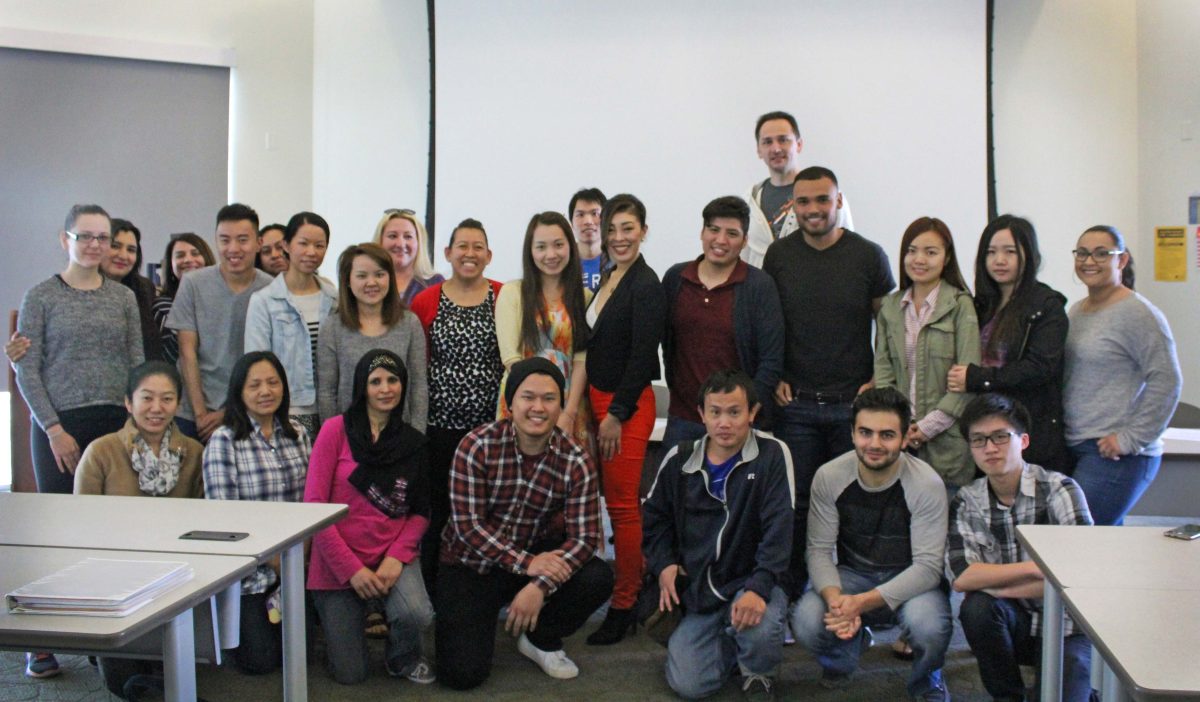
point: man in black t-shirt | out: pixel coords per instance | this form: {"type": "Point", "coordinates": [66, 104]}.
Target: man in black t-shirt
{"type": "Point", "coordinates": [831, 282]}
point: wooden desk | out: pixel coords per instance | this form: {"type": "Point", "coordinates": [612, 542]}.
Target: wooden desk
{"type": "Point", "coordinates": [171, 610]}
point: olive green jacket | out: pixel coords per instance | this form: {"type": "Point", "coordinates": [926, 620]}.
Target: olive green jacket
{"type": "Point", "coordinates": [951, 337]}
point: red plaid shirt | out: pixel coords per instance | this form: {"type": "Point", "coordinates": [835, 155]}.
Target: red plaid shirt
{"type": "Point", "coordinates": [503, 502]}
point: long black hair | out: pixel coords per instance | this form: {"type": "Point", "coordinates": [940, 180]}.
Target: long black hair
{"type": "Point", "coordinates": [237, 417]}
{"type": "Point", "coordinates": [534, 315]}
{"type": "Point", "coordinates": [1007, 331]}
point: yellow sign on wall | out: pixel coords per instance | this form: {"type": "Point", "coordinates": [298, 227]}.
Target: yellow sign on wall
{"type": "Point", "coordinates": [1170, 254]}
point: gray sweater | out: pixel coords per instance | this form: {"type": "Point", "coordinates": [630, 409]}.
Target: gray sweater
{"type": "Point", "coordinates": [83, 344]}
{"type": "Point", "coordinates": [1122, 375]}
{"type": "Point", "coordinates": [910, 529]}
{"type": "Point", "coordinates": [339, 350]}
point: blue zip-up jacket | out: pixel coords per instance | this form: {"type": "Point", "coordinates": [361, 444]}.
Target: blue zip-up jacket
{"type": "Point", "coordinates": [274, 324]}
{"type": "Point", "coordinates": [741, 542]}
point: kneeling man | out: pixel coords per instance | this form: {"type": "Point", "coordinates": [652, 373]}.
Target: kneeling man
{"type": "Point", "coordinates": [511, 482]}
{"type": "Point", "coordinates": [884, 512]}
{"type": "Point", "coordinates": [717, 530]}
{"type": "Point", "coordinates": [1001, 614]}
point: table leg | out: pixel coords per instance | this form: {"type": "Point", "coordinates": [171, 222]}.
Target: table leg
{"type": "Point", "coordinates": [295, 668]}
{"type": "Point", "coordinates": [179, 658]}
{"type": "Point", "coordinates": [1052, 644]}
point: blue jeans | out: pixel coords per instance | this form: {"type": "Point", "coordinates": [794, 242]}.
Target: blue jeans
{"type": "Point", "coordinates": [704, 647]}
{"type": "Point", "coordinates": [924, 621]}
{"type": "Point", "coordinates": [1000, 633]}
{"type": "Point", "coordinates": [409, 613]}
{"type": "Point", "coordinates": [815, 434]}
{"type": "Point", "coordinates": [1111, 487]}
{"type": "Point", "coordinates": [679, 430]}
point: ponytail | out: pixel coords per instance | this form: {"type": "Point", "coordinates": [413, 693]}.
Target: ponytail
{"type": "Point", "coordinates": [1127, 275]}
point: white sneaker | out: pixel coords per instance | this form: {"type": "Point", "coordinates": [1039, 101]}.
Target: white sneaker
{"type": "Point", "coordinates": [553, 663]}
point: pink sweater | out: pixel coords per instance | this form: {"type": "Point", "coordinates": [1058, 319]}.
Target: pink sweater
{"type": "Point", "coordinates": [366, 535]}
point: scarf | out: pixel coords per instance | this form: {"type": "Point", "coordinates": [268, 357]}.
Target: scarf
{"type": "Point", "coordinates": [157, 475]}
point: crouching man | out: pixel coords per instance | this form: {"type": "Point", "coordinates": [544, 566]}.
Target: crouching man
{"type": "Point", "coordinates": [717, 531]}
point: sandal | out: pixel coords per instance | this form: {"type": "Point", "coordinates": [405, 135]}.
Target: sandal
{"type": "Point", "coordinates": [376, 627]}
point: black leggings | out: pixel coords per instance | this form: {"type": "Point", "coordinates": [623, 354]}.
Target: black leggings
{"type": "Point", "coordinates": [85, 425]}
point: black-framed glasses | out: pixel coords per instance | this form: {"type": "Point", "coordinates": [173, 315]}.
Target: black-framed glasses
{"type": "Point", "coordinates": [999, 438]}
{"type": "Point", "coordinates": [86, 238]}
{"type": "Point", "coordinates": [1098, 255]}
{"type": "Point", "coordinates": [395, 211]}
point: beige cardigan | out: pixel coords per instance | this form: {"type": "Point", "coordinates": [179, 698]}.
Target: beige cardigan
{"type": "Point", "coordinates": [107, 467]}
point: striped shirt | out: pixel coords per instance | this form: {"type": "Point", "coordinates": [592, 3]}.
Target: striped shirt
{"type": "Point", "coordinates": [260, 469]}
{"type": "Point", "coordinates": [937, 421]}
{"type": "Point", "coordinates": [984, 530]}
{"type": "Point", "coordinates": [503, 504]}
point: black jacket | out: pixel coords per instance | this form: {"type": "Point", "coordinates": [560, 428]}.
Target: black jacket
{"type": "Point", "coordinates": [1033, 375]}
{"type": "Point", "coordinates": [744, 542]}
{"type": "Point", "coordinates": [623, 349]}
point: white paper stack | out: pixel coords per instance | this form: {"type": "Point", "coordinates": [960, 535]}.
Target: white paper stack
{"type": "Point", "coordinates": [99, 587]}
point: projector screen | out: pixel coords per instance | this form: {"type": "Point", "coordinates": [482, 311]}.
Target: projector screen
{"type": "Point", "coordinates": [536, 100]}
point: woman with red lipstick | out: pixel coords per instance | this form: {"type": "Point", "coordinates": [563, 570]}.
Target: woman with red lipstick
{"type": "Point", "coordinates": [923, 329]}
{"type": "Point", "coordinates": [1122, 379]}
{"type": "Point", "coordinates": [1023, 329]}
{"type": "Point", "coordinates": [403, 236]}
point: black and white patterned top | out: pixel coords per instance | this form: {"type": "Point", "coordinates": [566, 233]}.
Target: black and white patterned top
{"type": "Point", "coordinates": [464, 364]}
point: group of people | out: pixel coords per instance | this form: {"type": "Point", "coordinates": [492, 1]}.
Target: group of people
{"type": "Point", "coordinates": [472, 427]}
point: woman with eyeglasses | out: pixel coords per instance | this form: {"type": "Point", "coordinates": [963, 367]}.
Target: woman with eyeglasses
{"type": "Point", "coordinates": [1122, 379]}
{"type": "Point", "coordinates": [185, 252]}
{"type": "Point", "coordinates": [1023, 329]}
{"type": "Point", "coordinates": [403, 236]}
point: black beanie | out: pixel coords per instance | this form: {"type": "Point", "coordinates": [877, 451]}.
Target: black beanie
{"type": "Point", "coordinates": [523, 369]}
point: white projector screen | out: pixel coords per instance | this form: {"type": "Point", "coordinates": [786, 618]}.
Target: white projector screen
{"type": "Point", "coordinates": [536, 100]}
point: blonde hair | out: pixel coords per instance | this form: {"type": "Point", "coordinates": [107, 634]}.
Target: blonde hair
{"type": "Point", "coordinates": [422, 268]}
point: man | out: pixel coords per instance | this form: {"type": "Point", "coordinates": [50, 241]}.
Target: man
{"type": "Point", "coordinates": [1001, 614]}
{"type": "Point", "coordinates": [584, 211]}
{"type": "Point", "coordinates": [511, 481]}
{"type": "Point", "coordinates": [209, 315]}
{"type": "Point", "coordinates": [884, 511]}
{"type": "Point", "coordinates": [779, 146]}
{"type": "Point", "coordinates": [721, 313]}
{"type": "Point", "coordinates": [717, 530]}
{"type": "Point", "coordinates": [831, 282]}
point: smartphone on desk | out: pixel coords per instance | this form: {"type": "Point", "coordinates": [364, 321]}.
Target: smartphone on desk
{"type": "Point", "coordinates": [215, 535]}
{"type": "Point", "coordinates": [1187, 532]}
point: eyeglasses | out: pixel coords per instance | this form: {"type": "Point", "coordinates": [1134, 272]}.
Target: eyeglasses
{"type": "Point", "coordinates": [405, 211]}
{"type": "Point", "coordinates": [1099, 255]}
{"type": "Point", "coordinates": [86, 238]}
{"type": "Point", "coordinates": [1000, 438]}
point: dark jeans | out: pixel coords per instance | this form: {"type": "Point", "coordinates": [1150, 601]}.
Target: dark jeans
{"type": "Point", "coordinates": [442, 445]}
{"type": "Point", "coordinates": [468, 605]}
{"type": "Point", "coordinates": [679, 430]}
{"type": "Point", "coordinates": [1112, 487]}
{"type": "Point", "coordinates": [188, 428]}
{"type": "Point", "coordinates": [260, 649]}
{"type": "Point", "coordinates": [815, 434]}
{"type": "Point", "coordinates": [85, 425]}
{"type": "Point", "coordinates": [998, 631]}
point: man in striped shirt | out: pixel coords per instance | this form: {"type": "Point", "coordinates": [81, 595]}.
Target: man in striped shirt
{"type": "Point", "coordinates": [524, 531]}
{"type": "Point", "coordinates": [1001, 614]}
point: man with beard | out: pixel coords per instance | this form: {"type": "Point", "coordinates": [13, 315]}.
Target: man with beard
{"type": "Point", "coordinates": [884, 511]}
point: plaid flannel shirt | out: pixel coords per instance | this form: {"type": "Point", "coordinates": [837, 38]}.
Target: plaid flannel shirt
{"type": "Point", "coordinates": [983, 530]}
{"type": "Point", "coordinates": [256, 468]}
{"type": "Point", "coordinates": [503, 503]}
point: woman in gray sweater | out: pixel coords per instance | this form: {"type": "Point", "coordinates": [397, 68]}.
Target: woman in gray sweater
{"type": "Point", "coordinates": [1122, 379]}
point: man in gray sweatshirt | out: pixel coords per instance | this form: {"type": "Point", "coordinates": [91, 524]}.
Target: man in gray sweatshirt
{"type": "Point", "coordinates": [884, 511]}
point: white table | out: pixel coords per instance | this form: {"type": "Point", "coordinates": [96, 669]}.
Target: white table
{"type": "Point", "coordinates": [171, 610]}
{"type": "Point", "coordinates": [141, 524]}
{"type": "Point", "coordinates": [1124, 559]}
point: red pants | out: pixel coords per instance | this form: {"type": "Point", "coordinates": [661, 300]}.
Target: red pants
{"type": "Point", "coordinates": [622, 478]}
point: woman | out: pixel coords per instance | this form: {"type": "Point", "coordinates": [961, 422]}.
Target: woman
{"type": "Point", "coordinates": [185, 252]}
{"type": "Point", "coordinates": [459, 317]}
{"type": "Point", "coordinates": [1023, 328]}
{"type": "Point", "coordinates": [543, 314]}
{"type": "Point", "coordinates": [403, 236]}
{"type": "Point", "coordinates": [122, 265]}
{"type": "Point", "coordinates": [626, 318]}
{"type": "Point", "coordinates": [369, 459]}
{"type": "Point", "coordinates": [1122, 379]}
{"type": "Point", "coordinates": [370, 315]}
{"type": "Point", "coordinates": [923, 329]}
{"type": "Point", "coordinates": [271, 257]}
{"type": "Point", "coordinates": [257, 454]}
{"type": "Point", "coordinates": [148, 457]}
{"type": "Point", "coordinates": [284, 317]}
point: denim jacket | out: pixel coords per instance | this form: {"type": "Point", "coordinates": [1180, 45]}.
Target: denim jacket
{"type": "Point", "coordinates": [274, 324]}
